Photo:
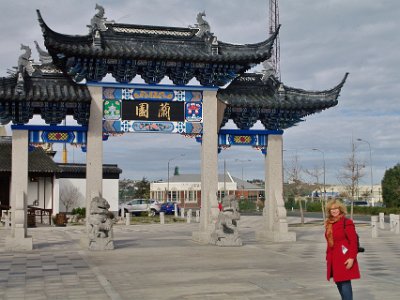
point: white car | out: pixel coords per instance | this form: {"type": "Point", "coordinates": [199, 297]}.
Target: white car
{"type": "Point", "coordinates": [137, 206]}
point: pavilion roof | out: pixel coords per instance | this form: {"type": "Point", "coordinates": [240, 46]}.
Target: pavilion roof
{"type": "Point", "coordinates": [153, 52]}
{"type": "Point", "coordinates": [137, 42]}
{"type": "Point", "coordinates": [47, 83]}
{"type": "Point", "coordinates": [44, 90]}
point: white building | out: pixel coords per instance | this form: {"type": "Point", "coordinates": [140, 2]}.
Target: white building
{"type": "Point", "coordinates": [186, 189]}
{"type": "Point", "coordinates": [47, 179]}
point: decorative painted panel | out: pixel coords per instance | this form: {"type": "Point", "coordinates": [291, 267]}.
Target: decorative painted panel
{"type": "Point", "coordinates": [162, 110]}
{"type": "Point", "coordinates": [39, 134]}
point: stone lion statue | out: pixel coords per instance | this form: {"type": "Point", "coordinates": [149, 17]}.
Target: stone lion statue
{"type": "Point", "coordinates": [100, 225]}
{"type": "Point", "coordinates": [226, 232]}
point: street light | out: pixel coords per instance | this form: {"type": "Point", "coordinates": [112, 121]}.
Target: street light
{"type": "Point", "coordinates": [169, 160]}
{"type": "Point", "coordinates": [323, 158]}
{"type": "Point", "coordinates": [242, 161]}
{"type": "Point", "coordinates": [370, 164]}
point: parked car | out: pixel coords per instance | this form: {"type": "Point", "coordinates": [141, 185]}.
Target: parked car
{"type": "Point", "coordinates": [138, 206]}
{"type": "Point", "coordinates": [169, 208]}
{"type": "Point", "coordinates": [360, 203]}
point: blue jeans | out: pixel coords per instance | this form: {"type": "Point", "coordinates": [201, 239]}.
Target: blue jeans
{"type": "Point", "coordinates": [345, 289]}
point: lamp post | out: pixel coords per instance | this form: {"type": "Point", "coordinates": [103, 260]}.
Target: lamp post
{"type": "Point", "coordinates": [370, 164]}
{"type": "Point", "coordinates": [169, 160]}
{"type": "Point", "coordinates": [323, 158]}
{"type": "Point", "coordinates": [242, 161]}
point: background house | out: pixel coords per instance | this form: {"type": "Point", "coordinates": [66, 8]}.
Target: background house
{"type": "Point", "coordinates": [186, 189]}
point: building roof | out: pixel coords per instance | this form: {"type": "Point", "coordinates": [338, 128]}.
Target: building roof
{"type": "Point", "coordinates": [78, 170]}
{"type": "Point", "coordinates": [253, 97]}
{"type": "Point", "coordinates": [38, 160]}
{"type": "Point", "coordinates": [125, 50]}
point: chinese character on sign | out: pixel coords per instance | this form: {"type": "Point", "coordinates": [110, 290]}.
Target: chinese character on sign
{"type": "Point", "coordinates": [164, 111]}
{"type": "Point", "coordinates": [142, 110]}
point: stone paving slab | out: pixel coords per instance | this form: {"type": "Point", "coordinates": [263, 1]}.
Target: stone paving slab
{"type": "Point", "coordinates": [161, 262]}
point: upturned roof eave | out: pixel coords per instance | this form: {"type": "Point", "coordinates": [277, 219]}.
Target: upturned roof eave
{"type": "Point", "coordinates": [265, 96]}
{"type": "Point", "coordinates": [330, 92]}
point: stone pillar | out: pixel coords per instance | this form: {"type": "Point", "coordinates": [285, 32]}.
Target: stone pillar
{"type": "Point", "coordinates": [18, 240]}
{"type": "Point", "coordinates": [382, 220]}
{"type": "Point", "coordinates": [374, 226]}
{"type": "Point", "coordinates": [94, 154]}
{"type": "Point", "coordinates": [209, 168]}
{"type": "Point", "coordinates": [162, 218]}
{"type": "Point", "coordinates": [197, 216]}
{"type": "Point", "coordinates": [189, 216]}
{"type": "Point", "coordinates": [175, 209]}
{"type": "Point", "coordinates": [182, 212]}
{"type": "Point", "coordinates": [128, 218]}
{"type": "Point", "coordinates": [396, 223]}
{"type": "Point", "coordinates": [275, 221]}
{"type": "Point", "coordinates": [391, 222]}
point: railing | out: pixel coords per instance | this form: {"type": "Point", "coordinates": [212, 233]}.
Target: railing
{"type": "Point", "coordinates": [35, 212]}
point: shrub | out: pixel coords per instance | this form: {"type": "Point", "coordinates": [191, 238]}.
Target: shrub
{"type": "Point", "coordinates": [81, 211]}
{"type": "Point", "coordinates": [246, 204]}
{"type": "Point", "coordinates": [314, 206]}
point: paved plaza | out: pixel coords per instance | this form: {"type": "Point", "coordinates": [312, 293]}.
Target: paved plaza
{"type": "Point", "coordinates": [162, 262]}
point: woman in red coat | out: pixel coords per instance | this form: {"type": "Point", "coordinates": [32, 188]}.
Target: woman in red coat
{"type": "Point", "coordinates": [342, 248]}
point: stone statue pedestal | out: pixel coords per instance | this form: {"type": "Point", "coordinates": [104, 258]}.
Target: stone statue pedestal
{"type": "Point", "coordinates": [201, 237]}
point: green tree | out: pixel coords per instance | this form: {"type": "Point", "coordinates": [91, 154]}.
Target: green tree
{"type": "Point", "coordinates": [391, 187]}
{"type": "Point", "coordinates": [142, 189]}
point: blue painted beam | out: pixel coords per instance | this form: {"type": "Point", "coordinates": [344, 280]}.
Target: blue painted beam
{"type": "Point", "coordinates": [250, 132]}
{"type": "Point", "coordinates": [49, 128]}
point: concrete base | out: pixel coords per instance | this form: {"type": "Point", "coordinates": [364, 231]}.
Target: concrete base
{"type": "Point", "coordinates": [201, 237]}
{"type": "Point", "coordinates": [18, 244]}
{"type": "Point", "coordinates": [99, 244]}
{"type": "Point", "coordinates": [275, 236]}
{"type": "Point", "coordinates": [84, 242]}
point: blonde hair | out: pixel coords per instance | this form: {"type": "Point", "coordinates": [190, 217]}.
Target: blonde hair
{"type": "Point", "coordinates": [338, 204]}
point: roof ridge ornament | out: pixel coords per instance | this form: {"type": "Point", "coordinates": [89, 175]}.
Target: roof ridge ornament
{"type": "Point", "coordinates": [25, 62]}
{"type": "Point", "coordinates": [24, 65]}
{"type": "Point", "coordinates": [98, 22]}
{"type": "Point", "coordinates": [44, 56]}
{"type": "Point", "coordinates": [203, 25]}
{"type": "Point", "coordinates": [204, 32]}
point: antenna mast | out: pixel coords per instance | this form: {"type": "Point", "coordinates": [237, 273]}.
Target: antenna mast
{"type": "Point", "coordinates": [274, 61]}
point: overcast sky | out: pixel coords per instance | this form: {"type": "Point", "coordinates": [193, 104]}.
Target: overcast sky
{"type": "Point", "coordinates": [319, 42]}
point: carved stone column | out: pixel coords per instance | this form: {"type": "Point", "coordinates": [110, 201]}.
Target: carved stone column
{"type": "Point", "coordinates": [209, 168]}
{"type": "Point", "coordinates": [18, 240]}
{"type": "Point", "coordinates": [275, 226]}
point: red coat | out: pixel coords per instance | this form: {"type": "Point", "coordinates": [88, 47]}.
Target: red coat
{"type": "Point", "coordinates": [345, 246]}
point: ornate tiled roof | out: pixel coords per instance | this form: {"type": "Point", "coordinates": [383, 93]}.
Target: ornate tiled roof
{"type": "Point", "coordinates": [253, 97]}
{"type": "Point", "coordinates": [41, 89]}
{"type": "Point", "coordinates": [38, 160]}
{"type": "Point", "coordinates": [127, 50]}
{"type": "Point", "coordinates": [46, 83]}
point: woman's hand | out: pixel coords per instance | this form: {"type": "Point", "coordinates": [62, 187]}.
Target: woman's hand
{"type": "Point", "coordinates": [349, 263]}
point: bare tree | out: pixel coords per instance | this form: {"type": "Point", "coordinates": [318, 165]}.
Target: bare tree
{"type": "Point", "coordinates": [294, 178]}
{"type": "Point", "coordinates": [351, 174]}
{"type": "Point", "coordinates": [315, 174]}
{"type": "Point", "coordinates": [69, 196]}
